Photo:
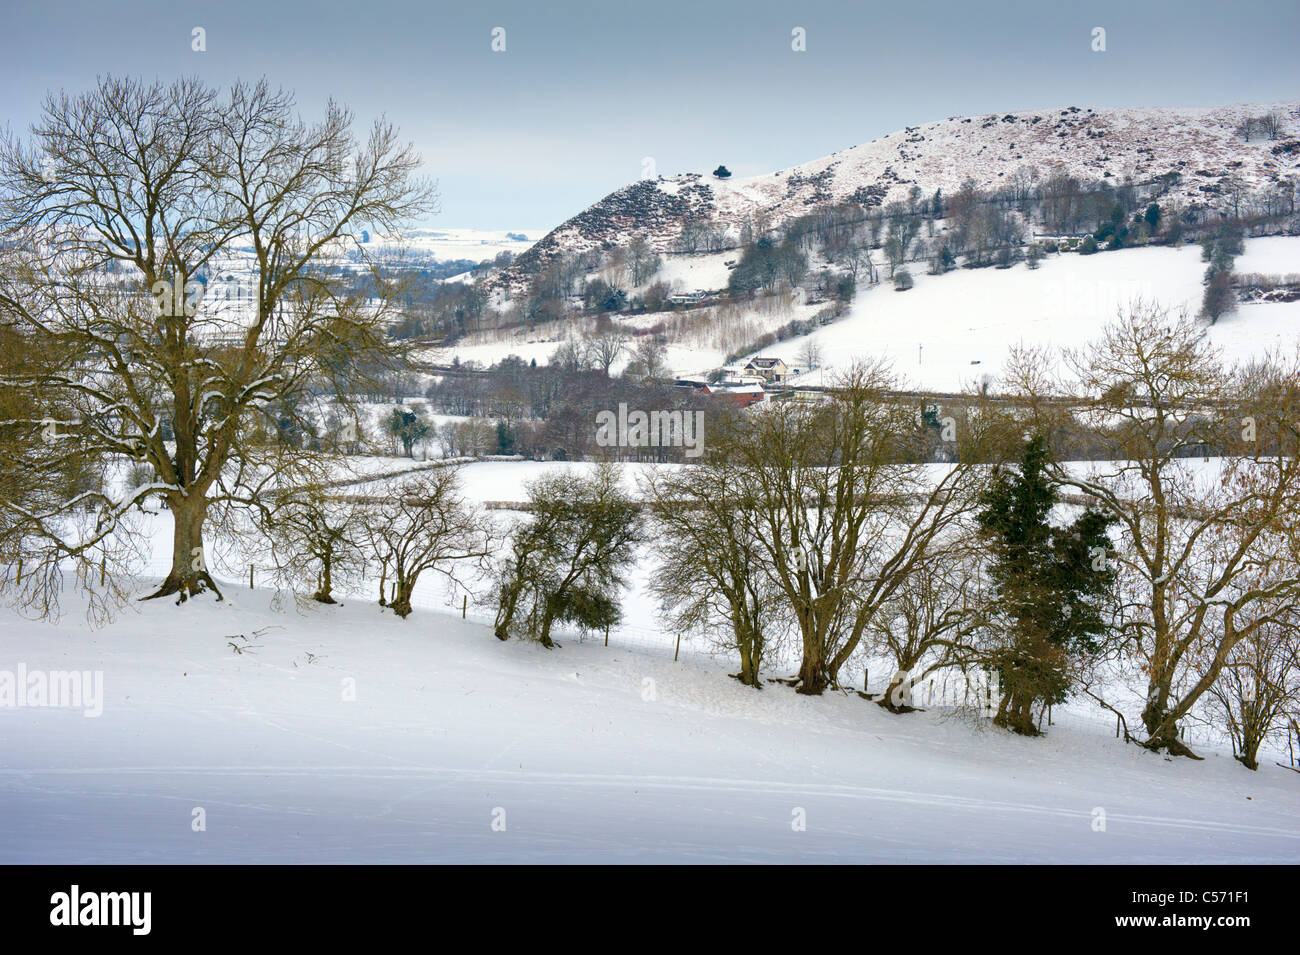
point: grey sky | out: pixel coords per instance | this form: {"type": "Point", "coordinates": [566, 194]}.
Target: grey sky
{"type": "Point", "coordinates": [585, 91]}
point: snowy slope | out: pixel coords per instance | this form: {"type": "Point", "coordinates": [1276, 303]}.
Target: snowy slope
{"type": "Point", "coordinates": [592, 753]}
{"type": "Point", "coordinates": [1270, 255]}
{"type": "Point", "coordinates": [1141, 145]}
{"type": "Point", "coordinates": [934, 333]}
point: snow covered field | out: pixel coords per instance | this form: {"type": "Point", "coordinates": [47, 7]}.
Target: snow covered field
{"type": "Point", "coordinates": [344, 734]}
{"type": "Point", "coordinates": [1270, 255]}
{"type": "Point", "coordinates": [952, 330]}
{"type": "Point", "coordinates": [584, 753]}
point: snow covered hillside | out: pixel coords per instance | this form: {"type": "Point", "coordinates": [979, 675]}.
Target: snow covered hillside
{"type": "Point", "coordinates": [585, 753]}
{"type": "Point", "coordinates": [954, 329]}
{"type": "Point", "coordinates": [1198, 150]}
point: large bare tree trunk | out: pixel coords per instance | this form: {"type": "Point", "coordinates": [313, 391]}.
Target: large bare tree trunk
{"type": "Point", "coordinates": [750, 643]}
{"type": "Point", "coordinates": [888, 701]}
{"type": "Point", "coordinates": [189, 574]}
{"type": "Point", "coordinates": [1162, 723]}
{"type": "Point", "coordinates": [506, 611]}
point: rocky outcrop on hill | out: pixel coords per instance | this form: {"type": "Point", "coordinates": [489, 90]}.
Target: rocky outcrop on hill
{"type": "Point", "coordinates": [1198, 156]}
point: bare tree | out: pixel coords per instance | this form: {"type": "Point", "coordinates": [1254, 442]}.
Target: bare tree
{"type": "Point", "coordinates": [1206, 556]}
{"type": "Point", "coordinates": [648, 360]}
{"type": "Point", "coordinates": [932, 621]}
{"type": "Point", "coordinates": [710, 575]}
{"type": "Point", "coordinates": [156, 184]}
{"type": "Point", "coordinates": [691, 235]}
{"type": "Point", "coordinates": [465, 439]}
{"type": "Point", "coordinates": [845, 510]}
{"type": "Point", "coordinates": [604, 350]}
{"type": "Point", "coordinates": [570, 355]}
{"type": "Point", "coordinates": [425, 525]}
{"type": "Point", "coordinates": [1272, 125]}
{"type": "Point", "coordinates": [40, 475]}
{"type": "Point", "coordinates": [317, 541]}
{"type": "Point", "coordinates": [642, 262]}
{"type": "Point", "coordinates": [902, 230]}
{"type": "Point", "coordinates": [856, 259]}
{"type": "Point", "coordinates": [1259, 689]}
{"type": "Point", "coordinates": [810, 353]}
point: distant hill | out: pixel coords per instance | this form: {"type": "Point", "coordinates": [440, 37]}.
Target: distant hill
{"type": "Point", "coordinates": [1192, 154]}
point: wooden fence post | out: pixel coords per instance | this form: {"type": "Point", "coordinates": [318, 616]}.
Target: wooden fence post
{"type": "Point", "coordinates": [250, 577]}
{"type": "Point", "coordinates": [464, 606]}
{"type": "Point", "coordinates": [679, 647]}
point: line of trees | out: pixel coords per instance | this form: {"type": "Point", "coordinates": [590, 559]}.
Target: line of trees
{"type": "Point", "coordinates": [549, 411]}
{"type": "Point", "coordinates": [821, 525]}
{"type": "Point", "coordinates": [823, 528]}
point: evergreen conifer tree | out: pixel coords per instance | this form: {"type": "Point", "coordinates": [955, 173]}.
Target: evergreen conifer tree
{"type": "Point", "coordinates": [1050, 585]}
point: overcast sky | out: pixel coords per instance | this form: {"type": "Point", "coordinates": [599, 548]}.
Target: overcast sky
{"type": "Point", "coordinates": [584, 92]}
